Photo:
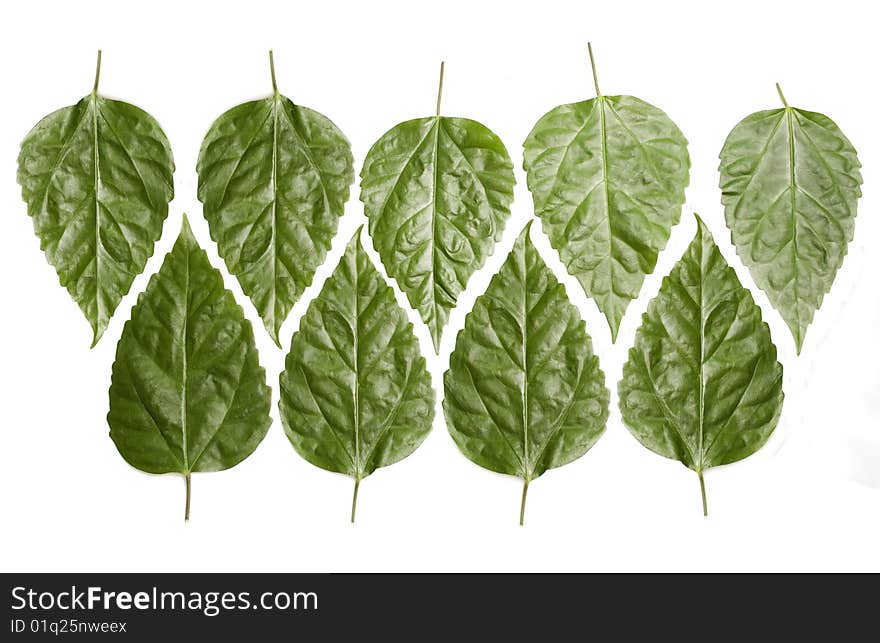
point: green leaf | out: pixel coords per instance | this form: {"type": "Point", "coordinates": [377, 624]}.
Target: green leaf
{"type": "Point", "coordinates": [355, 392]}
{"type": "Point", "coordinates": [607, 176]}
{"type": "Point", "coordinates": [437, 192]}
{"type": "Point", "coordinates": [274, 178]}
{"type": "Point", "coordinates": [97, 178]}
{"type": "Point", "coordinates": [524, 391]}
{"type": "Point", "coordinates": [188, 393]}
{"type": "Point", "coordinates": [702, 384]}
{"type": "Point", "coordinates": [790, 183]}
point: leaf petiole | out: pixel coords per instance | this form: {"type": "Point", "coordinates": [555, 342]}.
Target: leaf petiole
{"type": "Point", "coordinates": [522, 504]}
{"type": "Point", "coordinates": [703, 492]}
{"type": "Point", "coordinates": [272, 69]}
{"type": "Point", "coordinates": [440, 87]}
{"type": "Point", "coordinates": [593, 66]}
{"type": "Point", "coordinates": [186, 478]}
{"type": "Point", "coordinates": [781, 95]}
{"type": "Point", "coordinates": [354, 497]}
{"type": "Point", "coordinates": [97, 75]}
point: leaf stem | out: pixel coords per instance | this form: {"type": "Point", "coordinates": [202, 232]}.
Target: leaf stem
{"type": "Point", "coordinates": [703, 492]}
{"type": "Point", "coordinates": [186, 478]}
{"type": "Point", "coordinates": [97, 75]}
{"type": "Point", "coordinates": [272, 69]}
{"type": "Point", "coordinates": [781, 95]}
{"type": "Point", "coordinates": [522, 504]}
{"type": "Point", "coordinates": [354, 498]}
{"type": "Point", "coordinates": [440, 88]}
{"type": "Point", "coordinates": [593, 65]}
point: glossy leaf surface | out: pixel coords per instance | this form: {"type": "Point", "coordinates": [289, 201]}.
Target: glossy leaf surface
{"type": "Point", "coordinates": [274, 178]}
{"type": "Point", "coordinates": [702, 384]}
{"type": "Point", "coordinates": [355, 391]}
{"type": "Point", "coordinates": [97, 178]}
{"type": "Point", "coordinates": [437, 192]}
{"type": "Point", "coordinates": [790, 184]}
{"type": "Point", "coordinates": [188, 393]}
{"type": "Point", "coordinates": [524, 391]}
{"type": "Point", "coordinates": [607, 176]}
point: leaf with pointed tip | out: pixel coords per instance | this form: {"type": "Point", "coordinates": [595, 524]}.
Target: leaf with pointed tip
{"type": "Point", "coordinates": [790, 183]}
{"type": "Point", "coordinates": [188, 393]}
{"type": "Point", "coordinates": [524, 391]}
{"type": "Point", "coordinates": [437, 192]}
{"type": "Point", "coordinates": [355, 392]}
{"type": "Point", "coordinates": [97, 178]}
{"type": "Point", "coordinates": [702, 384]}
{"type": "Point", "coordinates": [607, 176]}
{"type": "Point", "coordinates": [274, 178]}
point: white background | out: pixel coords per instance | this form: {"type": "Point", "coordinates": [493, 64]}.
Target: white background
{"type": "Point", "coordinates": [810, 500]}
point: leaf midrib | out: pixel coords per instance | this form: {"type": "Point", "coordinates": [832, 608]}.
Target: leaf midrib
{"type": "Point", "coordinates": [702, 382]}
{"type": "Point", "coordinates": [603, 135]}
{"type": "Point", "coordinates": [356, 364]}
{"type": "Point", "coordinates": [274, 242]}
{"type": "Point", "coordinates": [527, 466]}
{"type": "Point", "coordinates": [435, 162]}
{"type": "Point", "coordinates": [794, 226]}
{"type": "Point", "coordinates": [184, 412]}
{"type": "Point", "coordinates": [96, 186]}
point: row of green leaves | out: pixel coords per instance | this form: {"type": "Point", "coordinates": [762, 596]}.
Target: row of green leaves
{"type": "Point", "coordinates": [524, 392]}
{"type": "Point", "coordinates": [607, 175]}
